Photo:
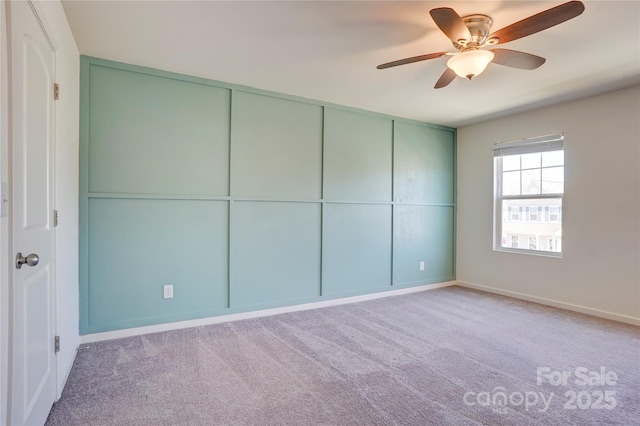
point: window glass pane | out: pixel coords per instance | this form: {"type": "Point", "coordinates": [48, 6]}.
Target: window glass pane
{"type": "Point", "coordinates": [552, 158]}
{"type": "Point", "coordinates": [511, 183]}
{"type": "Point", "coordinates": [553, 180]}
{"type": "Point", "coordinates": [510, 162]}
{"type": "Point", "coordinates": [531, 181]}
{"type": "Point", "coordinates": [520, 231]}
{"type": "Point", "coordinates": [531, 161]}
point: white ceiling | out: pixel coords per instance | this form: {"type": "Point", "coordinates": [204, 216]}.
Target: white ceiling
{"type": "Point", "coordinates": [329, 50]}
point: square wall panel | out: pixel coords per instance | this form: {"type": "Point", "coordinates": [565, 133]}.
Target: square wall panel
{"type": "Point", "coordinates": [277, 148]}
{"type": "Point", "coordinates": [422, 234]}
{"type": "Point", "coordinates": [357, 156]}
{"type": "Point", "coordinates": [156, 135]}
{"type": "Point", "coordinates": [356, 250]}
{"type": "Point", "coordinates": [275, 253]}
{"type": "Point", "coordinates": [424, 164]}
{"type": "Point", "coordinates": [136, 247]}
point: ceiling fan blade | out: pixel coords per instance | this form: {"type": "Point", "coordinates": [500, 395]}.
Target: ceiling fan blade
{"type": "Point", "coordinates": [515, 59]}
{"type": "Point", "coordinates": [450, 23]}
{"type": "Point", "coordinates": [447, 77]}
{"type": "Point", "coordinates": [411, 60]}
{"type": "Point", "coordinates": [538, 22]}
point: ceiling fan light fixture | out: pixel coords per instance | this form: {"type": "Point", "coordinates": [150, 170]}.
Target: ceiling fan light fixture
{"type": "Point", "coordinates": [470, 63]}
{"type": "Point", "coordinates": [470, 34]}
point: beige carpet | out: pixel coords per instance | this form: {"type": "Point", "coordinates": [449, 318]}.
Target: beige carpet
{"type": "Point", "coordinates": [446, 356]}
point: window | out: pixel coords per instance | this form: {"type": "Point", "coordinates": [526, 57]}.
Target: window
{"type": "Point", "coordinates": [529, 188]}
{"type": "Point", "coordinates": [514, 214]}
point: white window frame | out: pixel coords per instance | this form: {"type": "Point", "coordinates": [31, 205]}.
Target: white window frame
{"type": "Point", "coordinates": [546, 143]}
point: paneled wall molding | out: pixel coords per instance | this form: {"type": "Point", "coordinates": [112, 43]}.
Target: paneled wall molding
{"type": "Point", "coordinates": [244, 200]}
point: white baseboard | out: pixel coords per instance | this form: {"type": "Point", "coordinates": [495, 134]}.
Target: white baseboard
{"type": "Point", "coordinates": [137, 331]}
{"type": "Point", "coordinates": [555, 303]}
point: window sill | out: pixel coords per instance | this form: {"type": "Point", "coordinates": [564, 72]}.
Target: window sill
{"type": "Point", "coordinates": [529, 252]}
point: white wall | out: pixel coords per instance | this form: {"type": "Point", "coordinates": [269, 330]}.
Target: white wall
{"type": "Point", "coordinates": [599, 272]}
{"type": "Point", "coordinates": [66, 185]}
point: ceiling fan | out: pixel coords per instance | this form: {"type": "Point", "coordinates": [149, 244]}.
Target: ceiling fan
{"type": "Point", "coordinates": [470, 34]}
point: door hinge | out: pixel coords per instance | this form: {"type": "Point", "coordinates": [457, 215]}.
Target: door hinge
{"type": "Point", "coordinates": [55, 218]}
{"type": "Point", "coordinates": [56, 344]}
{"type": "Point", "coordinates": [56, 91]}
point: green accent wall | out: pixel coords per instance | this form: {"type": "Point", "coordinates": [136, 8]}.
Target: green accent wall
{"type": "Point", "coordinates": [155, 135]}
{"type": "Point", "coordinates": [244, 199]}
{"type": "Point", "coordinates": [357, 248]}
{"type": "Point", "coordinates": [358, 156]}
{"type": "Point", "coordinates": [276, 252]}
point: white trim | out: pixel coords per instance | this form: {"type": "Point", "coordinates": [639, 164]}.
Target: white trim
{"type": "Point", "coordinates": [554, 303]}
{"type": "Point", "coordinates": [118, 334]}
{"type": "Point", "coordinates": [532, 252]}
{"type": "Point", "coordinates": [66, 373]}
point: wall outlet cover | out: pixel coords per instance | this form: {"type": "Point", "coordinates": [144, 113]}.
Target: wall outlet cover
{"type": "Point", "coordinates": [168, 291]}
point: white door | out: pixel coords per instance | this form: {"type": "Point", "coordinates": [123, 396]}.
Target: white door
{"type": "Point", "coordinates": [33, 374]}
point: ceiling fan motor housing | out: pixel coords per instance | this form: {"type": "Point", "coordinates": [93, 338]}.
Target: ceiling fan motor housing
{"type": "Point", "coordinates": [479, 26]}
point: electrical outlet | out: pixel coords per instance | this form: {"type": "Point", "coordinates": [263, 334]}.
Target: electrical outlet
{"type": "Point", "coordinates": [422, 266]}
{"type": "Point", "coordinates": [168, 291]}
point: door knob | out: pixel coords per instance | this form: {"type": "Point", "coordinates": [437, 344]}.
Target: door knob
{"type": "Point", "coordinates": [30, 260]}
